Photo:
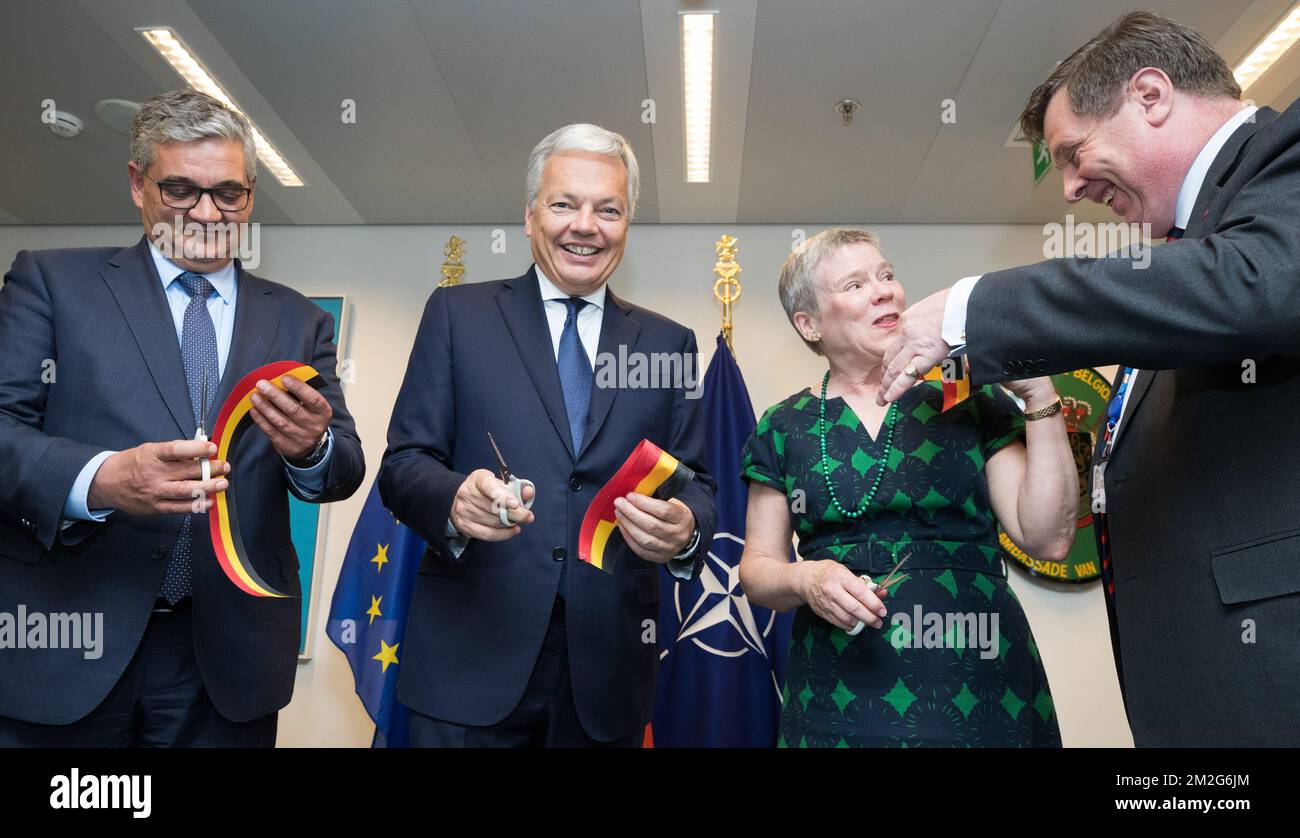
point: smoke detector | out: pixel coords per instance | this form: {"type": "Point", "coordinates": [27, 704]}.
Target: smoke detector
{"type": "Point", "coordinates": [65, 125]}
{"type": "Point", "coordinates": [117, 113]}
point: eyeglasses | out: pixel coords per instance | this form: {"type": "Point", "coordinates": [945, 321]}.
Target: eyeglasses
{"type": "Point", "coordinates": [187, 195]}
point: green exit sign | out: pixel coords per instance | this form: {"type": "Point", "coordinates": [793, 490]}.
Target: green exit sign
{"type": "Point", "coordinates": [1042, 161]}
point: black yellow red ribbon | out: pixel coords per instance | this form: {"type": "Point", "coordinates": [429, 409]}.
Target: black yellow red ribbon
{"type": "Point", "coordinates": [233, 421]}
{"type": "Point", "coordinates": [956, 386]}
{"type": "Point", "coordinates": [649, 470]}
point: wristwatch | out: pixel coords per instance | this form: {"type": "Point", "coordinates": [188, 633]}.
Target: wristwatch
{"type": "Point", "coordinates": [1051, 410]}
{"type": "Point", "coordinates": [689, 550]}
{"type": "Point", "coordinates": [317, 454]}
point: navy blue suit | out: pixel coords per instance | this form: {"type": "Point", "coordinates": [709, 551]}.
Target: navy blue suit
{"type": "Point", "coordinates": [101, 314]}
{"type": "Point", "coordinates": [484, 361]}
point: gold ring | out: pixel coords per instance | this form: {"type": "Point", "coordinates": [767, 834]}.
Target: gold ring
{"type": "Point", "coordinates": [911, 371]}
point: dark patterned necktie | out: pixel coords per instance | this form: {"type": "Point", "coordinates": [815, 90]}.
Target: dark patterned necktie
{"type": "Point", "coordinates": [575, 374]}
{"type": "Point", "coordinates": [1124, 376]}
{"type": "Point", "coordinates": [199, 350]}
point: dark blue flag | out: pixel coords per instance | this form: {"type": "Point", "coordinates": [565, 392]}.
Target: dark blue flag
{"type": "Point", "coordinates": [722, 660]}
{"type": "Point", "coordinates": [367, 618]}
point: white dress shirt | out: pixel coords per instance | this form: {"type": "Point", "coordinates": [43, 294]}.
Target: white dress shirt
{"type": "Point", "coordinates": [589, 318]}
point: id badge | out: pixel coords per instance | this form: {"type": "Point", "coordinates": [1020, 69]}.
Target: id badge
{"type": "Point", "coordinates": [1099, 488]}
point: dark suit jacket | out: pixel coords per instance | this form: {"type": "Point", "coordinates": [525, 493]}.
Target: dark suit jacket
{"type": "Point", "coordinates": [101, 314]}
{"type": "Point", "coordinates": [1201, 487]}
{"type": "Point", "coordinates": [483, 361]}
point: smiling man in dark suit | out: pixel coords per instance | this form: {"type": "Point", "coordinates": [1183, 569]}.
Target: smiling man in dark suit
{"type": "Point", "coordinates": [512, 641]}
{"type": "Point", "coordinates": [106, 358]}
{"type": "Point", "coordinates": [1194, 473]}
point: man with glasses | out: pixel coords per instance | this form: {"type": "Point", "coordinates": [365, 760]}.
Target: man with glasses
{"type": "Point", "coordinates": [111, 360]}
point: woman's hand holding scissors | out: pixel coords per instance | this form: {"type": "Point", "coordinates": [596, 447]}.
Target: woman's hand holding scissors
{"type": "Point", "coordinates": [844, 599]}
{"type": "Point", "coordinates": [838, 596]}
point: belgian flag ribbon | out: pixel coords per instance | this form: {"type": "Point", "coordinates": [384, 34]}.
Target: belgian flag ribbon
{"type": "Point", "coordinates": [649, 470]}
{"type": "Point", "coordinates": [954, 375]}
{"type": "Point", "coordinates": [233, 421]}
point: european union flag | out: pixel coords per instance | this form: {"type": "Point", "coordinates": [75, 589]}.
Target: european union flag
{"type": "Point", "coordinates": [368, 613]}
{"type": "Point", "coordinates": [722, 660]}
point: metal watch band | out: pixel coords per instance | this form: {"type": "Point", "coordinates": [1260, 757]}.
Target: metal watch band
{"type": "Point", "coordinates": [1051, 410]}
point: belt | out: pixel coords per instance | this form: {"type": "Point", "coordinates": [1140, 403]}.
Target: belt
{"type": "Point", "coordinates": [876, 557]}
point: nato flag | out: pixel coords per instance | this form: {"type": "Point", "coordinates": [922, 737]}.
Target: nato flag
{"type": "Point", "coordinates": [723, 661]}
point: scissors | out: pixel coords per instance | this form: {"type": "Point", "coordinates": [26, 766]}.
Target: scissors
{"type": "Point", "coordinates": [882, 586]}
{"type": "Point", "coordinates": [514, 484]}
{"type": "Point", "coordinates": [201, 435]}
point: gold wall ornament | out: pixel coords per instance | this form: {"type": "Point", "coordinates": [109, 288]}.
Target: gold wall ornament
{"type": "Point", "coordinates": [452, 269]}
{"type": "Point", "coordinates": [727, 288]}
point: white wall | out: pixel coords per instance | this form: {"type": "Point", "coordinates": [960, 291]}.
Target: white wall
{"type": "Point", "coordinates": [387, 272]}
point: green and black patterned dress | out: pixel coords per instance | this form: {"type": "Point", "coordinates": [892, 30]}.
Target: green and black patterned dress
{"type": "Point", "coordinates": [930, 676]}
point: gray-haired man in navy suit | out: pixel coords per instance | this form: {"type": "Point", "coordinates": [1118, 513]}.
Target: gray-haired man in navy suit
{"type": "Point", "coordinates": [109, 361]}
{"type": "Point", "coordinates": [512, 641]}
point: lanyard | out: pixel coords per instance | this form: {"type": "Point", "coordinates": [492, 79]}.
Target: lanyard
{"type": "Point", "coordinates": [1113, 413]}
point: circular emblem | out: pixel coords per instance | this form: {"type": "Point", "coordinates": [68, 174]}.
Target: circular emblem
{"type": "Point", "coordinates": [1084, 396]}
{"type": "Point", "coordinates": [717, 617]}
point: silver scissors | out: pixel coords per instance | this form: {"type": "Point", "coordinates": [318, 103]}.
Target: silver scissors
{"type": "Point", "coordinates": [201, 435]}
{"type": "Point", "coordinates": [514, 484]}
{"type": "Point", "coordinates": [882, 586]}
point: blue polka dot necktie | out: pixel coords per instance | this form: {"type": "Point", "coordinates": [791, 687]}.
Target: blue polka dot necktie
{"type": "Point", "coordinates": [199, 350]}
{"type": "Point", "coordinates": [575, 374]}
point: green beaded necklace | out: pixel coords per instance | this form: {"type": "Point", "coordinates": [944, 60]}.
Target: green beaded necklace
{"type": "Point", "coordinates": [826, 471]}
